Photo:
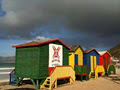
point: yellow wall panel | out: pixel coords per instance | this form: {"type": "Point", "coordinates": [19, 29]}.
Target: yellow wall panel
{"type": "Point", "coordinates": [71, 59]}
{"type": "Point", "coordinates": [95, 61]}
{"type": "Point", "coordinates": [91, 57]}
{"type": "Point", "coordinates": [80, 56]}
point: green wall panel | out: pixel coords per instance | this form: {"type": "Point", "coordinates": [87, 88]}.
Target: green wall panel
{"type": "Point", "coordinates": [27, 62]}
{"type": "Point", "coordinates": [65, 56]}
{"type": "Point", "coordinates": [44, 56]}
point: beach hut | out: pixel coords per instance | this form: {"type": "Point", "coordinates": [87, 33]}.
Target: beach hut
{"type": "Point", "coordinates": [105, 60]}
{"type": "Point", "coordinates": [76, 61]}
{"type": "Point", "coordinates": [91, 59]}
{"type": "Point", "coordinates": [43, 62]}
{"type": "Point", "coordinates": [76, 55]}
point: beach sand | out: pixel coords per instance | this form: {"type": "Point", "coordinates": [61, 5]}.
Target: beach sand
{"type": "Point", "coordinates": [103, 83]}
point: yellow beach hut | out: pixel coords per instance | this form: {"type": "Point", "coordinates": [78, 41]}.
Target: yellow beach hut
{"type": "Point", "coordinates": [76, 61]}
{"type": "Point", "coordinates": [76, 55]}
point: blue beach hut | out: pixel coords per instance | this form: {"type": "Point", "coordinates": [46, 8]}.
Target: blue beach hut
{"type": "Point", "coordinates": [91, 59]}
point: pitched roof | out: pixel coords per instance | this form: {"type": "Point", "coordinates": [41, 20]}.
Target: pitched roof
{"type": "Point", "coordinates": [103, 52]}
{"type": "Point", "coordinates": [75, 47]}
{"type": "Point", "coordinates": [35, 43]}
{"type": "Point", "coordinates": [93, 49]}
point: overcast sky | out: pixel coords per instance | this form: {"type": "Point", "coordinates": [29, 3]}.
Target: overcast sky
{"type": "Point", "coordinates": [90, 23]}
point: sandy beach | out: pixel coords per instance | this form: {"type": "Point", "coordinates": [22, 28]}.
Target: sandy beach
{"type": "Point", "coordinates": [102, 83]}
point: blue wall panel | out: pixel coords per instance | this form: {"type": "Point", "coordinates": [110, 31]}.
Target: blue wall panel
{"type": "Point", "coordinates": [76, 59]}
{"type": "Point", "coordinates": [87, 56]}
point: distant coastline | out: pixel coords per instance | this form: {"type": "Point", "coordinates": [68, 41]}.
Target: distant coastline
{"type": "Point", "coordinates": [7, 59]}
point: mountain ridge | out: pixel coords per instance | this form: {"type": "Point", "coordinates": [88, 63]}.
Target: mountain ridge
{"type": "Point", "coordinates": [115, 51]}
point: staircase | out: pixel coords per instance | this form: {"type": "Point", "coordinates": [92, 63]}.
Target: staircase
{"type": "Point", "coordinates": [13, 78]}
{"type": "Point", "coordinates": [47, 83]}
{"type": "Point", "coordinates": [60, 72]}
{"type": "Point", "coordinates": [98, 69]}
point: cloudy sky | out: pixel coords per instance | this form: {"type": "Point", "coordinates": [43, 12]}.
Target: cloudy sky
{"type": "Point", "coordinates": [90, 23]}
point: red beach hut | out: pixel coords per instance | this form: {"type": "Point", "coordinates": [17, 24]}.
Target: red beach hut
{"type": "Point", "coordinates": [105, 59]}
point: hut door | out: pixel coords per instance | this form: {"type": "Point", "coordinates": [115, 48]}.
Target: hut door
{"type": "Point", "coordinates": [76, 59]}
{"type": "Point", "coordinates": [92, 65]}
{"type": "Point", "coordinates": [105, 63]}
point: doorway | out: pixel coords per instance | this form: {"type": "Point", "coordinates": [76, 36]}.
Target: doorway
{"type": "Point", "coordinates": [76, 59]}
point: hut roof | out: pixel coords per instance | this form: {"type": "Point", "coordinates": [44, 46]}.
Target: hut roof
{"type": "Point", "coordinates": [38, 43]}
{"type": "Point", "coordinates": [75, 47]}
{"type": "Point", "coordinates": [93, 49]}
{"type": "Point", "coordinates": [103, 52]}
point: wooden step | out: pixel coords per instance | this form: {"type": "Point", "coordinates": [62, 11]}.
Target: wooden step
{"type": "Point", "coordinates": [45, 88]}
{"type": "Point", "coordinates": [47, 85]}
{"type": "Point", "coordinates": [48, 79]}
{"type": "Point", "coordinates": [48, 82]}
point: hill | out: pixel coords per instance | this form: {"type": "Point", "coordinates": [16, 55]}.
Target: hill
{"type": "Point", "coordinates": [115, 51]}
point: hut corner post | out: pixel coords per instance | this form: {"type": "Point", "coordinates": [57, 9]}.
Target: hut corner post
{"type": "Point", "coordinates": [19, 79]}
{"type": "Point", "coordinates": [37, 83]}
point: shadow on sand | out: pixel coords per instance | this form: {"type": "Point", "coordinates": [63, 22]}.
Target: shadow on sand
{"type": "Point", "coordinates": [114, 78]}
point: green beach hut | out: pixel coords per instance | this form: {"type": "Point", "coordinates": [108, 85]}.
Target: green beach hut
{"type": "Point", "coordinates": [37, 60]}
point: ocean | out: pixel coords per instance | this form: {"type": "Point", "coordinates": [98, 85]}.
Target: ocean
{"type": "Point", "coordinates": [5, 69]}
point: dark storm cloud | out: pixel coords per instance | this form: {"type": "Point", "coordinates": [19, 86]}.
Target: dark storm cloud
{"type": "Point", "coordinates": [98, 19]}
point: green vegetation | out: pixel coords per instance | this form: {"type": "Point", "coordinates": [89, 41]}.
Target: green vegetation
{"type": "Point", "coordinates": [111, 69]}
